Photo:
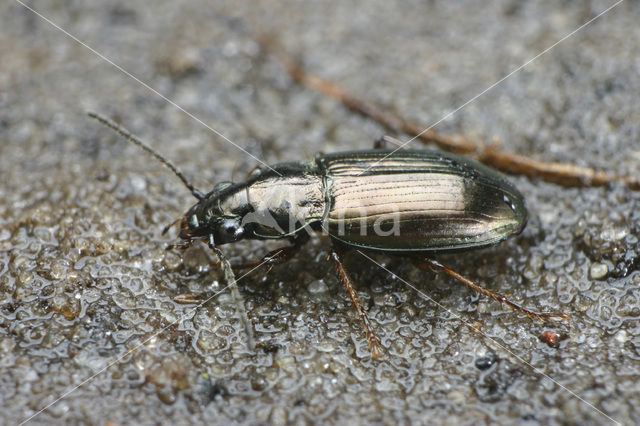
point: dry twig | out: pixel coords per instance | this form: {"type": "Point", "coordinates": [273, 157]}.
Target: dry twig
{"type": "Point", "coordinates": [565, 174]}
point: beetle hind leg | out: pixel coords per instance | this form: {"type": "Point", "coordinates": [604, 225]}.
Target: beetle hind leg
{"type": "Point", "coordinates": [374, 342]}
{"type": "Point", "coordinates": [425, 263]}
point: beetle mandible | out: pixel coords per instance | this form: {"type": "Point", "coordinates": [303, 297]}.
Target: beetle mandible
{"type": "Point", "coordinates": [414, 202]}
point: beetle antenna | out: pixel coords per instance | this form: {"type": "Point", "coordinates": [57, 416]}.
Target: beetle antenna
{"type": "Point", "coordinates": [136, 141]}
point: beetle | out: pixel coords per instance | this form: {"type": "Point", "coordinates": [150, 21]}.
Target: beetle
{"type": "Point", "coordinates": [411, 202]}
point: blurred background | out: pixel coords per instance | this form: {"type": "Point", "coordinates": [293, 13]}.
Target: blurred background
{"type": "Point", "coordinates": [84, 277]}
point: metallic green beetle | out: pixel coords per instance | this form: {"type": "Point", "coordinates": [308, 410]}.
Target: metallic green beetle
{"type": "Point", "coordinates": [377, 200]}
{"type": "Point", "coordinates": [414, 202]}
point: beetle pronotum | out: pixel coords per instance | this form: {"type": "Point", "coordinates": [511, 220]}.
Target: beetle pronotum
{"type": "Point", "coordinates": [403, 202]}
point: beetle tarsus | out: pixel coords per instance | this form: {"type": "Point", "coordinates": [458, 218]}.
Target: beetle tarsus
{"type": "Point", "coordinates": [374, 341]}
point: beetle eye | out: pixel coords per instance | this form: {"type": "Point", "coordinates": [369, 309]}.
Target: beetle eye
{"type": "Point", "coordinates": [193, 221]}
{"type": "Point", "coordinates": [230, 229]}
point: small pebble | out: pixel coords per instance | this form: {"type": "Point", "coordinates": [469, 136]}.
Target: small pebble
{"type": "Point", "coordinates": [598, 271]}
{"type": "Point", "coordinates": [621, 336]}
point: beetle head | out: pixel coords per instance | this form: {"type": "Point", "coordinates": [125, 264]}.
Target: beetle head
{"type": "Point", "coordinates": [218, 216]}
{"type": "Point", "coordinates": [224, 229]}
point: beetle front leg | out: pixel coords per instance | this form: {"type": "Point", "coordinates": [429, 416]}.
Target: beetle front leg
{"type": "Point", "coordinates": [336, 255]}
{"type": "Point", "coordinates": [235, 293]}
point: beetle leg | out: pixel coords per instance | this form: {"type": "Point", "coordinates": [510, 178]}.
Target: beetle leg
{"type": "Point", "coordinates": [383, 141]}
{"type": "Point", "coordinates": [336, 255]}
{"type": "Point", "coordinates": [278, 256]}
{"type": "Point", "coordinates": [180, 246]}
{"type": "Point", "coordinates": [274, 257]}
{"type": "Point", "coordinates": [425, 263]}
{"type": "Point", "coordinates": [235, 293]}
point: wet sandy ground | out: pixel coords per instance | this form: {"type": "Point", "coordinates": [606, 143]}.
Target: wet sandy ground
{"type": "Point", "coordinates": [84, 277]}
